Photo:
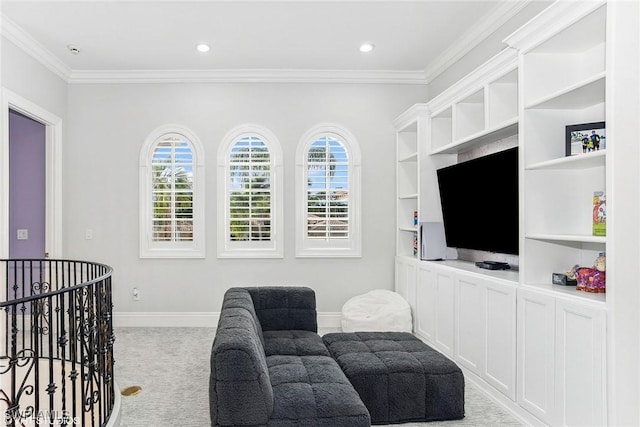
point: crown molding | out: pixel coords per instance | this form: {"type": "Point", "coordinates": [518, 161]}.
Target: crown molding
{"type": "Point", "coordinates": [16, 35]}
{"type": "Point", "coordinates": [486, 25]}
{"type": "Point", "coordinates": [550, 21]}
{"type": "Point", "coordinates": [24, 41]}
{"type": "Point", "coordinates": [247, 76]}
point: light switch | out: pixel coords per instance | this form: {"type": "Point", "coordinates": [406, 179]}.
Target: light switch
{"type": "Point", "coordinates": [23, 234]}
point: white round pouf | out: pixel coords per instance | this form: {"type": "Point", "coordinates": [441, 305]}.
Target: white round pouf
{"type": "Point", "coordinates": [376, 311]}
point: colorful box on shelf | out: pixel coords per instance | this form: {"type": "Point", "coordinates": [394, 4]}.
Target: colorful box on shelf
{"type": "Point", "coordinates": [599, 214]}
{"type": "Point", "coordinates": [591, 280]}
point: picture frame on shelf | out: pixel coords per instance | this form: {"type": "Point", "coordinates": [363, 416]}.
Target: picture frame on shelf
{"type": "Point", "coordinates": [585, 138]}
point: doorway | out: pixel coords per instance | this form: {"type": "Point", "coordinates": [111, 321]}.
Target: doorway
{"type": "Point", "coordinates": [27, 187]}
{"type": "Point", "coordinates": [44, 172]}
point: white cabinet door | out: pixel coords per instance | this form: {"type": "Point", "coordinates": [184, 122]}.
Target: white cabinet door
{"type": "Point", "coordinates": [401, 285]}
{"type": "Point", "coordinates": [405, 286]}
{"type": "Point", "coordinates": [469, 325]}
{"type": "Point", "coordinates": [486, 330]}
{"type": "Point", "coordinates": [580, 369]}
{"type": "Point", "coordinates": [406, 278]}
{"type": "Point", "coordinates": [412, 279]}
{"type": "Point", "coordinates": [500, 337]}
{"type": "Point", "coordinates": [536, 354]}
{"type": "Point", "coordinates": [444, 311]}
{"type": "Point", "coordinates": [425, 318]}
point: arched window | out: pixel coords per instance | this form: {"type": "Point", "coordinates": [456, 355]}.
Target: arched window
{"type": "Point", "coordinates": [250, 194]}
{"type": "Point", "coordinates": [172, 195]}
{"type": "Point", "coordinates": [328, 194]}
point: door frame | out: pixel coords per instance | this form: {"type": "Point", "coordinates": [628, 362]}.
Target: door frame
{"type": "Point", "coordinates": [53, 172]}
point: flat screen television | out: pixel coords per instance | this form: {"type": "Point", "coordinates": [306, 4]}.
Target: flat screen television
{"type": "Point", "coordinates": [480, 203]}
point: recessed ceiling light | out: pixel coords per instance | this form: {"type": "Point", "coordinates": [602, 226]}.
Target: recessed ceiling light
{"type": "Point", "coordinates": [203, 47]}
{"type": "Point", "coordinates": [73, 49]}
{"type": "Point", "coordinates": [366, 47]}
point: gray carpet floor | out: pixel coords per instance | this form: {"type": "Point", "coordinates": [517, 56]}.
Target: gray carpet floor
{"type": "Point", "coordinates": [172, 367]}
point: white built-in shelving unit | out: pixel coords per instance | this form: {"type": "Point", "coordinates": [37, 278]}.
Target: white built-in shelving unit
{"type": "Point", "coordinates": [561, 333]}
{"type": "Point", "coordinates": [411, 127]}
{"type": "Point", "coordinates": [537, 347]}
{"type": "Point", "coordinates": [563, 83]}
{"type": "Point", "coordinates": [481, 108]}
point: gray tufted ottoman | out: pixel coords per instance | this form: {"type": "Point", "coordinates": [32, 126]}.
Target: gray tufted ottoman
{"type": "Point", "coordinates": [398, 377]}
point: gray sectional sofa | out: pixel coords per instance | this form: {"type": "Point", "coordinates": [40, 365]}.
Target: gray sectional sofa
{"type": "Point", "coordinates": [269, 367]}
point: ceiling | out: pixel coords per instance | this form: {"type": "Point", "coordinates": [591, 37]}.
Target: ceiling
{"type": "Point", "coordinates": [413, 39]}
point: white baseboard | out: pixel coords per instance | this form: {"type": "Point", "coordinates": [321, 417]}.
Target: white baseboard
{"type": "Point", "coordinates": [195, 319]}
{"type": "Point", "coordinates": [330, 320]}
{"type": "Point", "coordinates": [512, 407]}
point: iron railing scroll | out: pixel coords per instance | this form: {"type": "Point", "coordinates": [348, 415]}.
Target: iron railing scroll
{"type": "Point", "coordinates": [56, 354]}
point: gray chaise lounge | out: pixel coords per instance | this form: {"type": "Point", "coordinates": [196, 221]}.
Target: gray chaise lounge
{"type": "Point", "coordinates": [398, 377]}
{"type": "Point", "coordinates": [269, 367]}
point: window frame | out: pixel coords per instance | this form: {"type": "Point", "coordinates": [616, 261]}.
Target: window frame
{"type": "Point", "coordinates": [148, 248]}
{"type": "Point", "coordinates": [330, 248]}
{"type": "Point", "coordinates": [273, 248]}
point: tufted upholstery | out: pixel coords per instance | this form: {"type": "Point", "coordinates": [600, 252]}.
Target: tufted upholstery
{"type": "Point", "coordinates": [296, 343]}
{"type": "Point", "coordinates": [312, 390]}
{"type": "Point", "coordinates": [398, 377]}
{"type": "Point", "coordinates": [276, 376]}
{"type": "Point", "coordinates": [285, 308]}
{"type": "Point", "coordinates": [239, 389]}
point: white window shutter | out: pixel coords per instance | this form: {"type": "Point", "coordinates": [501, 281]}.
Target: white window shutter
{"type": "Point", "coordinates": [250, 210]}
{"type": "Point", "coordinates": [328, 194]}
{"type": "Point", "coordinates": [172, 194]}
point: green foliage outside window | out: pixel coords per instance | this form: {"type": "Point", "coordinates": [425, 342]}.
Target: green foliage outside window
{"type": "Point", "coordinates": [250, 195]}
{"type": "Point", "coordinates": [172, 192]}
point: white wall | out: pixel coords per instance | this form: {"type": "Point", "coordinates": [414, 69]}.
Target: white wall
{"type": "Point", "coordinates": [107, 127]}
{"type": "Point", "coordinates": [25, 76]}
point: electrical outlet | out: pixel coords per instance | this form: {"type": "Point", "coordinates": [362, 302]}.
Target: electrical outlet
{"type": "Point", "coordinates": [136, 294]}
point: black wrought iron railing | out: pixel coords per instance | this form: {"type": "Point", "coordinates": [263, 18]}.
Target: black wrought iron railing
{"type": "Point", "coordinates": [56, 357]}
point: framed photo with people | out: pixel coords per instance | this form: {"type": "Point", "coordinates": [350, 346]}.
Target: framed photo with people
{"type": "Point", "coordinates": [585, 138]}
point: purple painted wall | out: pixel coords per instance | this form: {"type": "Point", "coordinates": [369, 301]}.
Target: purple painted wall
{"type": "Point", "coordinates": [27, 186]}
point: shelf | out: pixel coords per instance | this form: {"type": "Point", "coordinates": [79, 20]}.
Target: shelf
{"type": "Point", "coordinates": [511, 277]}
{"type": "Point", "coordinates": [501, 131]}
{"type": "Point", "coordinates": [408, 196]}
{"type": "Point", "coordinates": [585, 93]}
{"type": "Point", "coordinates": [502, 99]}
{"type": "Point", "coordinates": [581, 161]}
{"type": "Point", "coordinates": [570, 238]}
{"type": "Point", "coordinates": [409, 158]}
{"type": "Point", "coordinates": [411, 229]}
{"type": "Point", "coordinates": [569, 291]}
{"type": "Point", "coordinates": [468, 115]}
